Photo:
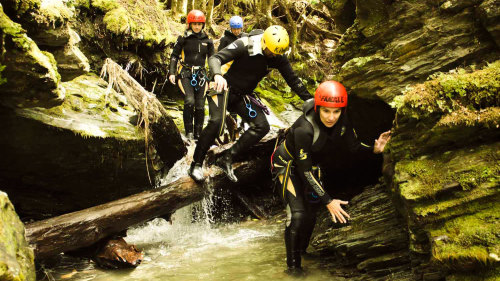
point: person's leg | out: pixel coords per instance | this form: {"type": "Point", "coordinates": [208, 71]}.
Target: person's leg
{"type": "Point", "coordinates": [259, 127]}
{"type": "Point", "coordinates": [312, 207]}
{"type": "Point", "coordinates": [296, 220]}
{"type": "Point", "coordinates": [217, 108]}
{"type": "Point", "coordinates": [188, 90]}
{"type": "Point", "coordinates": [199, 111]}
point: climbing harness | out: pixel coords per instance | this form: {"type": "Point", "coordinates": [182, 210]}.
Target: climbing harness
{"type": "Point", "coordinates": [198, 76]}
{"type": "Point", "coordinates": [251, 112]}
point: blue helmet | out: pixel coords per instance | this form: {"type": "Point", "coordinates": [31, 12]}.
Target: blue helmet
{"type": "Point", "coordinates": [236, 22]}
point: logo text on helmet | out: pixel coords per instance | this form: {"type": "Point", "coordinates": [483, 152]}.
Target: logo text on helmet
{"type": "Point", "coordinates": [332, 99]}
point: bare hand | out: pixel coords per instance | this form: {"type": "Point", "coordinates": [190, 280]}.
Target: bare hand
{"type": "Point", "coordinates": [381, 142]}
{"type": "Point", "coordinates": [220, 83]}
{"type": "Point", "coordinates": [172, 79]}
{"type": "Point", "coordinates": [337, 211]}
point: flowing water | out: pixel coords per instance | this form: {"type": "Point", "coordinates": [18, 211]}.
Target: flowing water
{"type": "Point", "coordinates": [252, 250]}
{"type": "Point", "coordinates": [186, 250]}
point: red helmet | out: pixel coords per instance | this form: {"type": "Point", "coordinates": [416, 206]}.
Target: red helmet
{"type": "Point", "coordinates": [195, 16]}
{"type": "Point", "coordinates": [330, 94]}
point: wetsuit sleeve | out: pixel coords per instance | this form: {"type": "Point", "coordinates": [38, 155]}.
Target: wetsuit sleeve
{"type": "Point", "coordinates": [223, 43]}
{"type": "Point", "coordinates": [176, 52]}
{"type": "Point", "coordinates": [211, 48]}
{"type": "Point", "coordinates": [353, 143]}
{"type": "Point", "coordinates": [284, 67]}
{"type": "Point", "coordinates": [303, 138]}
{"type": "Point", "coordinates": [226, 55]}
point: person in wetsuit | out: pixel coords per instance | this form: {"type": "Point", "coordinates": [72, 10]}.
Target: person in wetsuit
{"type": "Point", "coordinates": [234, 32]}
{"type": "Point", "coordinates": [296, 161]}
{"type": "Point", "coordinates": [252, 57]}
{"type": "Point", "coordinates": [192, 50]}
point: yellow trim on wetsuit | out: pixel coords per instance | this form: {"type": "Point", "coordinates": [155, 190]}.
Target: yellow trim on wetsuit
{"type": "Point", "coordinates": [286, 149]}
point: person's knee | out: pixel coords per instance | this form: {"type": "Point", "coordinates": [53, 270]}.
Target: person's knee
{"type": "Point", "coordinates": [262, 128]}
{"type": "Point", "coordinates": [298, 219]}
{"type": "Point", "coordinates": [215, 121]}
{"type": "Point", "coordinates": [189, 102]}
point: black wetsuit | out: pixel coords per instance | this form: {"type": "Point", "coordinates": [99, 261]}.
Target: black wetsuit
{"type": "Point", "coordinates": [192, 49]}
{"type": "Point", "coordinates": [248, 68]}
{"type": "Point", "coordinates": [228, 38]}
{"type": "Point", "coordinates": [298, 159]}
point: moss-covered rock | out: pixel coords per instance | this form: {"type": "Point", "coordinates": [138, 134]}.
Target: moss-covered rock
{"type": "Point", "coordinates": [16, 258]}
{"type": "Point", "coordinates": [446, 176]}
{"type": "Point", "coordinates": [450, 110]}
{"type": "Point", "coordinates": [82, 153]}
{"type": "Point", "coordinates": [143, 20]}
{"type": "Point", "coordinates": [32, 77]}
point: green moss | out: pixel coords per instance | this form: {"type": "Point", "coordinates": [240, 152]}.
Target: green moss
{"type": "Point", "coordinates": [90, 110]}
{"type": "Point", "coordinates": [55, 12]}
{"type": "Point", "coordinates": [105, 5]}
{"type": "Point", "coordinates": [427, 177]}
{"type": "Point", "coordinates": [469, 239]}
{"type": "Point", "coordinates": [142, 20]}
{"type": "Point", "coordinates": [25, 6]}
{"type": "Point", "coordinates": [276, 93]}
{"type": "Point", "coordinates": [9, 27]}
{"type": "Point", "coordinates": [460, 97]}
{"type": "Point", "coordinates": [16, 258]}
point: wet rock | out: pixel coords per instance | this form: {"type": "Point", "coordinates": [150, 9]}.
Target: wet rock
{"type": "Point", "coordinates": [16, 258]}
{"type": "Point", "coordinates": [374, 241]}
{"type": "Point", "coordinates": [395, 43]}
{"type": "Point", "coordinates": [71, 62]}
{"type": "Point", "coordinates": [31, 74]}
{"type": "Point", "coordinates": [489, 13]}
{"type": "Point", "coordinates": [82, 153]}
{"type": "Point", "coordinates": [116, 253]}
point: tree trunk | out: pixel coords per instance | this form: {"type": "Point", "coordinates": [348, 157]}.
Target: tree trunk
{"type": "Point", "coordinates": [190, 5]}
{"type": "Point", "coordinates": [210, 13]}
{"type": "Point", "coordinates": [292, 27]}
{"type": "Point", "coordinates": [267, 10]}
{"type": "Point", "coordinates": [173, 6]}
{"type": "Point", "coordinates": [180, 6]}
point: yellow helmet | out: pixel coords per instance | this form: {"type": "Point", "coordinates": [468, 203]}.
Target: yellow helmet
{"type": "Point", "coordinates": [276, 39]}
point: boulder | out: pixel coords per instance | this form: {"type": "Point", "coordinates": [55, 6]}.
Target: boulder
{"type": "Point", "coordinates": [16, 258]}
{"type": "Point", "coordinates": [85, 152]}
{"type": "Point", "coordinates": [23, 62]}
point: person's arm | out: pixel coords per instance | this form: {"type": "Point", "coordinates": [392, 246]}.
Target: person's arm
{"type": "Point", "coordinates": [284, 67]}
{"type": "Point", "coordinates": [176, 52]}
{"type": "Point", "coordinates": [302, 154]}
{"type": "Point", "coordinates": [353, 143]}
{"type": "Point", "coordinates": [211, 48]}
{"type": "Point", "coordinates": [226, 55]}
{"type": "Point", "coordinates": [303, 137]}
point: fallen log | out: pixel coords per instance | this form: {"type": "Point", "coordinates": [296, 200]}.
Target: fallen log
{"type": "Point", "coordinates": [83, 228]}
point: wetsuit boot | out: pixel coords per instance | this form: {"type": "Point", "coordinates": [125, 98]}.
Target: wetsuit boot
{"type": "Point", "coordinates": [293, 258]}
{"type": "Point", "coordinates": [225, 162]}
{"type": "Point", "coordinates": [196, 172]}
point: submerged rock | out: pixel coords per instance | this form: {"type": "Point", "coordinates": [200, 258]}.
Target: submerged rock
{"type": "Point", "coordinates": [116, 253]}
{"type": "Point", "coordinates": [16, 258]}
